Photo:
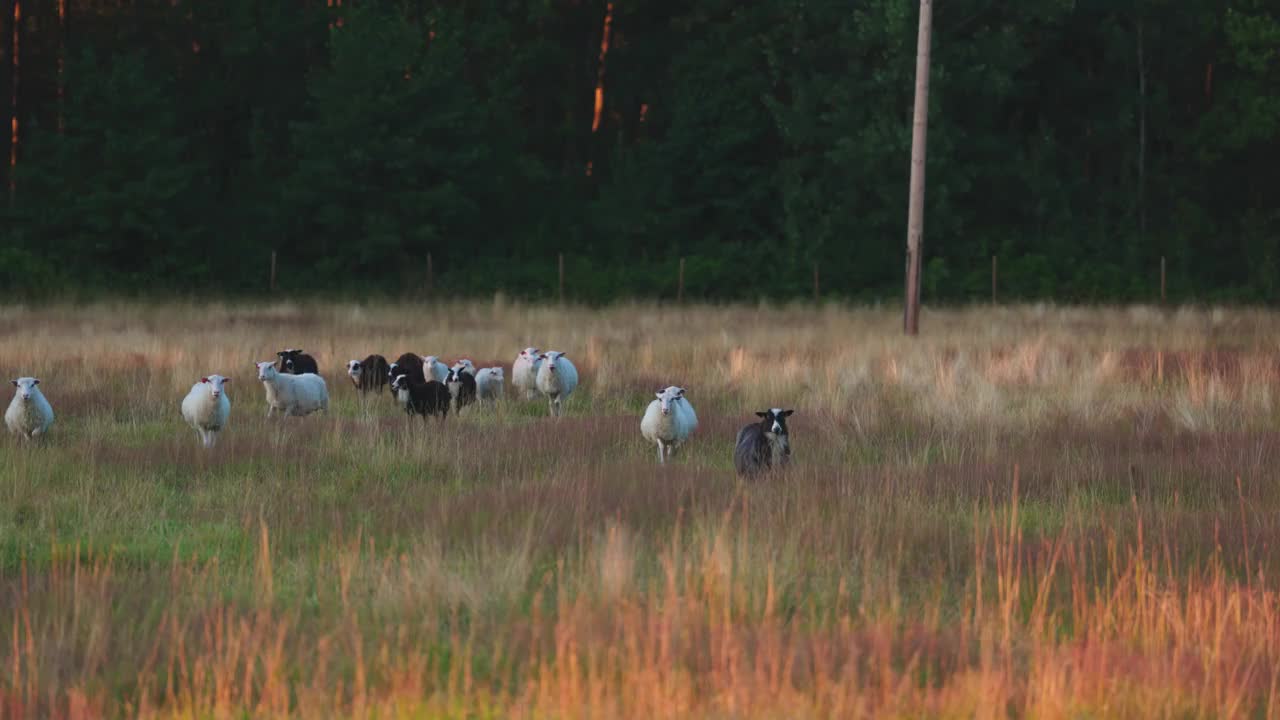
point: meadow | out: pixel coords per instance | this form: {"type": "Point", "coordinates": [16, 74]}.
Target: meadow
{"type": "Point", "coordinates": [1028, 511]}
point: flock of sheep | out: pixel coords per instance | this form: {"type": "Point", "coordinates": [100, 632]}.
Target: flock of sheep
{"type": "Point", "coordinates": [426, 386]}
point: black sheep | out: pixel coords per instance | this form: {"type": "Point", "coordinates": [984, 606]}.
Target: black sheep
{"type": "Point", "coordinates": [421, 398]}
{"type": "Point", "coordinates": [296, 362]}
{"type": "Point", "coordinates": [410, 364]}
{"type": "Point", "coordinates": [462, 386]}
{"type": "Point", "coordinates": [369, 374]}
{"type": "Point", "coordinates": [765, 445]}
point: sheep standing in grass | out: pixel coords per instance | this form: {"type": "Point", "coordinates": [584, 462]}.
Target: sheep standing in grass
{"type": "Point", "coordinates": [292, 394]}
{"type": "Point", "coordinates": [466, 366]}
{"type": "Point", "coordinates": [490, 385]}
{"type": "Point", "coordinates": [421, 398]}
{"type": "Point", "coordinates": [410, 364]}
{"type": "Point", "coordinates": [668, 422]}
{"type": "Point", "coordinates": [557, 378]}
{"type": "Point", "coordinates": [524, 372]}
{"type": "Point", "coordinates": [462, 387]}
{"type": "Point", "coordinates": [207, 407]}
{"type": "Point", "coordinates": [296, 362]}
{"type": "Point", "coordinates": [370, 374]}
{"type": "Point", "coordinates": [434, 369]}
{"type": "Point", "coordinates": [29, 414]}
{"type": "Point", "coordinates": [765, 445]}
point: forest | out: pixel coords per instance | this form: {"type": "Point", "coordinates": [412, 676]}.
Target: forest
{"type": "Point", "coordinates": [414, 147]}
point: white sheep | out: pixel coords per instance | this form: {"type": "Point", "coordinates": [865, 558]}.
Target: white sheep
{"type": "Point", "coordinates": [207, 407]}
{"type": "Point", "coordinates": [29, 414]}
{"type": "Point", "coordinates": [434, 369]}
{"type": "Point", "coordinates": [490, 384]}
{"type": "Point", "coordinates": [524, 372]}
{"type": "Point", "coordinates": [668, 421]}
{"type": "Point", "coordinates": [292, 394]}
{"type": "Point", "coordinates": [557, 378]}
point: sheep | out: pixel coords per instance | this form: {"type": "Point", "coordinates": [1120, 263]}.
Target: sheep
{"type": "Point", "coordinates": [369, 374]}
{"type": "Point", "coordinates": [524, 372]}
{"type": "Point", "coordinates": [410, 364]}
{"type": "Point", "coordinates": [668, 421]}
{"type": "Point", "coordinates": [292, 394]}
{"type": "Point", "coordinates": [490, 385]}
{"type": "Point", "coordinates": [296, 362]}
{"type": "Point", "coordinates": [421, 398]}
{"type": "Point", "coordinates": [465, 365]}
{"type": "Point", "coordinates": [763, 446]}
{"type": "Point", "coordinates": [557, 377]}
{"type": "Point", "coordinates": [29, 414]}
{"type": "Point", "coordinates": [436, 369]}
{"type": "Point", "coordinates": [462, 387]}
{"type": "Point", "coordinates": [207, 407]}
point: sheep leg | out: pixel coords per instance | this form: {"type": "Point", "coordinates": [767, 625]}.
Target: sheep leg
{"type": "Point", "coordinates": [662, 453]}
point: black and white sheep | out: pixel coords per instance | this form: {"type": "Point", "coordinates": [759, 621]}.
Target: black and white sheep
{"type": "Point", "coordinates": [421, 398]}
{"type": "Point", "coordinates": [763, 446]}
{"type": "Point", "coordinates": [296, 362]}
{"type": "Point", "coordinates": [370, 374]}
{"type": "Point", "coordinates": [408, 364]}
{"type": "Point", "coordinates": [462, 386]}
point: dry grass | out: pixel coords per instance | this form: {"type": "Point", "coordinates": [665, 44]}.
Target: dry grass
{"type": "Point", "coordinates": [1029, 511]}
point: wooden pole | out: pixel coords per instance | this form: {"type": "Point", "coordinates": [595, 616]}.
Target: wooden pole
{"type": "Point", "coordinates": [680, 284]}
{"type": "Point", "coordinates": [561, 265]}
{"type": "Point", "coordinates": [817, 285]}
{"type": "Point", "coordinates": [919, 135]}
{"type": "Point", "coordinates": [995, 276]}
{"type": "Point", "coordinates": [273, 271]}
{"type": "Point", "coordinates": [1162, 284]}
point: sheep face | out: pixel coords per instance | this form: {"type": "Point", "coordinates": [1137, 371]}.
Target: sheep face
{"type": "Point", "coordinates": [493, 372]}
{"type": "Point", "coordinates": [25, 386]}
{"type": "Point", "coordinates": [266, 370]}
{"type": "Point", "coordinates": [400, 382]}
{"type": "Point", "coordinates": [215, 383]}
{"type": "Point", "coordinates": [353, 369]}
{"type": "Point", "coordinates": [669, 397]}
{"type": "Point", "coordinates": [530, 353]}
{"type": "Point", "coordinates": [430, 360]}
{"type": "Point", "coordinates": [465, 365]}
{"type": "Point", "coordinates": [774, 421]}
{"type": "Point", "coordinates": [551, 358]}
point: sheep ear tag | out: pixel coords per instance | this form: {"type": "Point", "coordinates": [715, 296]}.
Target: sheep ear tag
{"type": "Point", "coordinates": [204, 380]}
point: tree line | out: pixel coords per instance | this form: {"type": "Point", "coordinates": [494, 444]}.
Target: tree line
{"type": "Point", "coordinates": [171, 146]}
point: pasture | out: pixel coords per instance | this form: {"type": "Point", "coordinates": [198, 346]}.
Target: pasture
{"type": "Point", "coordinates": [1027, 511]}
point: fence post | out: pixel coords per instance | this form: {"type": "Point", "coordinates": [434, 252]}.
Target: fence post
{"type": "Point", "coordinates": [1162, 285]}
{"type": "Point", "coordinates": [560, 263]}
{"type": "Point", "coordinates": [273, 271]}
{"type": "Point", "coordinates": [680, 284]}
{"type": "Point", "coordinates": [995, 276]}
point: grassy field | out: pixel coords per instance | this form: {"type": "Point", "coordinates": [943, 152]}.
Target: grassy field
{"type": "Point", "coordinates": [1030, 511]}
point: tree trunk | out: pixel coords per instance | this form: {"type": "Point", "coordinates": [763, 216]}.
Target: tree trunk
{"type": "Point", "coordinates": [919, 134]}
